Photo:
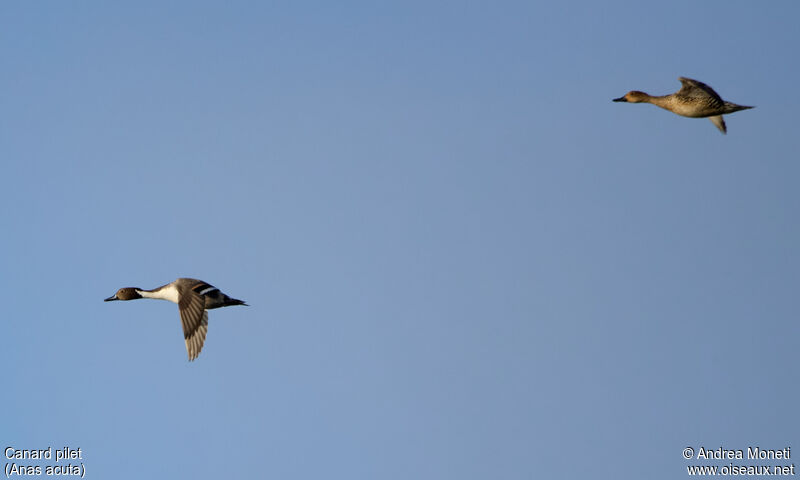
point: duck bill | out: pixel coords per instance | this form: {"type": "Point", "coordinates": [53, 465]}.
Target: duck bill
{"type": "Point", "coordinates": [111, 298]}
{"type": "Point", "coordinates": [620, 99]}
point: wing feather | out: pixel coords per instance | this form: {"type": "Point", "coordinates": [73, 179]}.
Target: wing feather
{"type": "Point", "coordinates": [696, 89]}
{"type": "Point", "coordinates": [719, 122]}
{"type": "Point", "coordinates": [194, 320]}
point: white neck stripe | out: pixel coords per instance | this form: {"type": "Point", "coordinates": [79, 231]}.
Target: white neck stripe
{"type": "Point", "coordinates": [169, 293]}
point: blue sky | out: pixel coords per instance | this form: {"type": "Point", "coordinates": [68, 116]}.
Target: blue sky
{"type": "Point", "coordinates": [462, 259]}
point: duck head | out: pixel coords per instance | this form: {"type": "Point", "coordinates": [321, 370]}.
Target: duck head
{"type": "Point", "coordinates": [127, 293]}
{"type": "Point", "coordinates": [634, 96]}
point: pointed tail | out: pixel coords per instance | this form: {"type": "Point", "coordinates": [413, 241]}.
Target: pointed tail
{"type": "Point", "coordinates": [732, 107]}
{"type": "Point", "coordinates": [232, 301]}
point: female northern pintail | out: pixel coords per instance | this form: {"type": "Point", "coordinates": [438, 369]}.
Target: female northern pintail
{"type": "Point", "coordinates": [694, 99]}
{"type": "Point", "coordinates": [194, 298]}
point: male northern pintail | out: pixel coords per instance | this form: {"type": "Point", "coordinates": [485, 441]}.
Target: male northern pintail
{"type": "Point", "coordinates": [194, 298]}
{"type": "Point", "coordinates": [694, 99]}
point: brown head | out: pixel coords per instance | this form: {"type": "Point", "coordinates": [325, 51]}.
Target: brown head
{"type": "Point", "coordinates": [127, 293]}
{"type": "Point", "coordinates": [634, 96]}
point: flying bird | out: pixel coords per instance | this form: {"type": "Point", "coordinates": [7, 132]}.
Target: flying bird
{"type": "Point", "coordinates": [694, 99]}
{"type": "Point", "coordinates": [194, 299]}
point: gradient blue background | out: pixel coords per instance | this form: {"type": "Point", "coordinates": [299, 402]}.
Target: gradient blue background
{"type": "Point", "coordinates": [463, 260]}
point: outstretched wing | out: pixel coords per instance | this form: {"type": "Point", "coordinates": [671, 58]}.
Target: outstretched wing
{"type": "Point", "coordinates": [694, 89]}
{"type": "Point", "coordinates": [194, 319]}
{"type": "Point", "coordinates": [719, 122]}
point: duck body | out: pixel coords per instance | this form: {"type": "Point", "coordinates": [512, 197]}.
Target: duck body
{"type": "Point", "coordinates": [194, 297]}
{"type": "Point", "coordinates": [695, 99]}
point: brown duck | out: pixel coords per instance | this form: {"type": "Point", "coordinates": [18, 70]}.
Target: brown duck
{"type": "Point", "coordinates": [694, 99]}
